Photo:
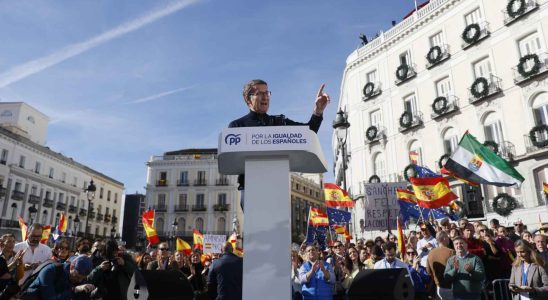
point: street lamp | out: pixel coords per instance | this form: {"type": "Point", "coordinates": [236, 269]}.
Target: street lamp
{"type": "Point", "coordinates": [340, 124]}
{"type": "Point", "coordinates": [76, 225]}
{"type": "Point", "coordinates": [90, 193]}
{"type": "Point", "coordinates": [32, 213]}
{"type": "Point", "coordinates": [112, 232]}
{"type": "Point", "coordinates": [174, 231]}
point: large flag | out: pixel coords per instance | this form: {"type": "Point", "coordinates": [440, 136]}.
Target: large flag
{"type": "Point", "coordinates": [432, 192]}
{"type": "Point", "coordinates": [198, 240]}
{"type": "Point", "coordinates": [336, 196]}
{"type": "Point", "coordinates": [46, 230]}
{"type": "Point", "coordinates": [183, 246]}
{"type": "Point", "coordinates": [24, 229]}
{"type": "Point", "coordinates": [451, 174]}
{"type": "Point", "coordinates": [409, 208]}
{"type": "Point", "coordinates": [423, 172]}
{"type": "Point", "coordinates": [545, 187]}
{"type": "Point", "coordinates": [317, 218]}
{"type": "Point", "coordinates": [149, 215]}
{"type": "Point", "coordinates": [401, 239]}
{"type": "Point", "coordinates": [475, 162]}
{"type": "Point", "coordinates": [150, 231]}
{"type": "Point", "coordinates": [337, 216]}
{"type": "Point", "coordinates": [62, 227]}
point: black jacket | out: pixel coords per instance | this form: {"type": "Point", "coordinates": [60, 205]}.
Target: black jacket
{"type": "Point", "coordinates": [225, 278]}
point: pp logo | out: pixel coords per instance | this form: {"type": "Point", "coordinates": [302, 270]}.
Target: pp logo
{"type": "Point", "coordinates": [232, 139]}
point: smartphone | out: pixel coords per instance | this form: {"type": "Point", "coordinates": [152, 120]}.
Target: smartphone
{"type": "Point", "coordinates": [514, 286]}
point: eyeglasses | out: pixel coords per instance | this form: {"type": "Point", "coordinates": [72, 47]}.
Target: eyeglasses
{"type": "Point", "coordinates": [163, 249]}
{"type": "Point", "coordinates": [263, 94]}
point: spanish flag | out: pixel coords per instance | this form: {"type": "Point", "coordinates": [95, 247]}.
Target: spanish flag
{"type": "Point", "coordinates": [317, 217]}
{"type": "Point", "coordinates": [149, 215]}
{"type": "Point", "coordinates": [24, 229]}
{"type": "Point", "coordinates": [406, 195]}
{"type": "Point", "coordinates": [336, 196]}
{"type": "Point", "coordinates": [339, 229]}
{"type": "Point", "coordinates": [401, 239]}
{"type": "Point", "coordinates": [347, 235]}
{"type": "Point", "coordinates": [238, 252]}
{"type": "Point", "coordinates": [205, 257]}
{"type": "Point", "coordinates": [150, 231]}
{"type": "Point", "coordinates": [183, 246]}
{"type": "Point", "coordinates": [62, 226]}
{"type": "Point", "coordinates": [545, 187]}
{"type": "Point", "coordinates": [46, 230]}
{"type": "Point", "coordinates": [198, 240]}
{"type": "Point", "coordinates": [432, 192]}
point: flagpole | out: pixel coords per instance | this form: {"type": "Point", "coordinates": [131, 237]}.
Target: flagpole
{"type": "Point", "coordinates": [307, 224]}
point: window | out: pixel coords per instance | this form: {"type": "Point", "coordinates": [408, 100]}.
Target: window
{"type": "Point", "coordinates": [221, 224]}
{"type": "Point", "coordinates": [221, 199]}
{"type": "Point", "coordinates": [450, 140]}
{"type": "Point", "coordinates": [72, 200]}
{"type": "Point", "coordinates": [200, 200]}
{"type": "Point", "coordinates": [61, 198]}
{"type": "Point", "coordinates": [99, 208]}
{"type": "Point", "coordinates": [75, 181]}
{"type": "Point", "coordinates": [183, 199]}
{"type": "Point", "coordinates": [182, 223]}
{"type": "Point", "coordinates": [161, 199]}
{"type": "Point", "coordinates": [106, 210]}
{"type": "Point", "coordinates": [97, 231]}
{"type": "Point", "coordinates": [18, 187]}
{"type": "Point", "coordinates": [4, 157]}
{"type": "Point", "coordinates": [34, 190]}
{"type": "Point", "coordinates": [436, 39]}
{"type": "Point", "coordinates": [64, 177]}
{"type": "Point", "coordinates": [375, 118]}
{"type": "Point", "coordinates": [51, 172]}
{"type": "Point", "coordinates": [540, 109]}
{"type": "Point", "coordinates": [108, 195]}
{"type": "Point", "coordinates": [200, 224]}
{"type": "Point", "coordinates": [473, 17]}
{"type": "Point", "coordinates": [410, 104]}
{"type": "Point", "coordinates": [372, 76]}
{"type": "Point", "coordinates": [104, 231]}
{"type": "Point", "coordinates": [101, 193]}
{"type": "Point", "coordinates": [159, 223]}
{"type": "Point", "coordinates": [37, 167]}
{"type": "Point", "coordinates": [530, 44]}
{"type": "Point", "coordinates": [443, 87]}
{"type": "Point", "coordinates": [184, 177]}
{"type": "Point", "coordinates": [22, 161]}
{"type": "Point", "coordinates": [201, 176]}
{"type": "Point", "coordinates": [482, 68]}
{"type": "Point", "coordinates": [48, 195]}
{"type": "Point", "coordinates": [45, 217]}
{"type": "Point", "coordinates": [163, 176]}
{"type": "Point", "coordinates": [115, 197]}
{"type": "Point", "coordinates": [493, 129]}
{"type": "Point", "coordinates": [379, 166]}
{"type": "Point", "coordinates": [405, 58]}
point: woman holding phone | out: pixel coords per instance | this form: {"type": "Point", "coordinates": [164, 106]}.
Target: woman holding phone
{"type": "Point", "coordinates": [528, 279]}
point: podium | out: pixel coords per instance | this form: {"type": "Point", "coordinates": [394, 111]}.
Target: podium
{"type": "Point", "coordinates": [266, 155]}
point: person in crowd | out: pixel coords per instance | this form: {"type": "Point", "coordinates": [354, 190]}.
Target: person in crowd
{"type": "Point", "coordinates": [474, 246]}
{"type": "Point", "coordinates": [352, 265]}
{"type": "Point", "coordinates": [97, 249]}
{"type": "Point", "coordinates": [528, 237]}
{"type": "Point", "coordinates": [391, 238]}
{"type": "Point", "coordinates": [445, 225]}
{"type": "Point", "coordinates": [435, 266]}
{"type": "Point", "coordinates": [143, 260]}
{"type": "Point", "coordinates": [493, 254]}
{"type": "Point", "coordinates": [62, 281]}
{"type": "Point", "coordinates": [364, 255]}
{"type": "Point", "coordinates": [453, 233]}
{"type": "Point", "coordinates": [508, 253]}
{"type": "Point", "coordinates": [427, 242]}
{"type": "Point", "coordinates": [162, 258]}
{"type": "Point", "coordinates": [379, 241]}
{"type": "Point", "coordinates": [464, 271]}
{"type": "Point", "coordinates": [337, 263]}
{"type": "Point", "coordinates": [226, 276]}
{"type": "Point", "coordinates": [540, 245]}
{"type": "Point", "coordinates": [412, 240]}
{"type": "Point", "coordinates": [180, 262]}
{"type": "Point", "coordinates": [82, 246]}
{"type": "Point", "coordinates": [418, 273]}
{"type": "Point", "coordinates": [317, 278]}
{"type": "Point", "coordinates": [528, 279]}
{"type": "Point", "coordinates": [389, 261]}
{"type": "Point", "coordinates": [197, 277]}
{"type": "Point", "coordinates": [296, 263]}
{"type": "Point", "coordinates": [376, 255]}
{"type": "Point", "coordinates": [10, 262]}
{"type": "Point", "coordinates": [463, 222]}
{"type": "Point", "coordinates": [35, 252]}
{"type": "Point", "coordinates": [61, 251]}
{"type": "Point", "coordinates": [494, 225]}
{"type": "Point", "coordinates": [518, 230]}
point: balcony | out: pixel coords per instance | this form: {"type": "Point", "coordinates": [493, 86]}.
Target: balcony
{"type": "Point", "coordinates": [181, 182]}
{"type": "Point", "coordinates": [83, 212]}
{"type": "Point", "coordinates": [409, 121]}
{"type": "Point", "coordinates": [160, 207]}
{"type": "Point", "coordinates": [532, 66]}
{"type": "Point", "coordinates": [17, 195]}
{"type": "Point", "coordinates": [536, 140]}
{"type": "Point", "coordinates": [222, 181]}
{"type": "Point", "coordinates": [100, 217]}
{"type": "Point", "coordinates": [221, 207]}
{"type": "Point", "coordinates": [91, 215]}
{"type": "Point", "coordinates": [405, 73]}
{"type": "Point", "coordinates": [72, 208]}
{"type": "Point", "coordinates": [437, 55]}
{"type": "Point", "coordinates": [443, 106]}
{"type": "Point", "coordinates": [181, 207]}
{"type": "Point", "coordinates": [200, 182]}
{"type": "Point", "coordinates": [3, 162]}
{"type": "Point", "coordinates": [48, 202]}
{"type": "Point", "coordinates": [199, 207]}
{"type": "Point", "coordinates": [161, 182]}
{"type": "Point", "coordinates": [475, 33]}
{"type": "Point", "coordinates": [61, 206]}
{"type": "Point", "coordinates": [374, 134]}
{"type": "Point", "coordinates": [5, 223]}
{"type": "Point", "coordinates": [483, 88]}
{"type": "Point", "coordinates": [3, 191]}
{"type": "Point", "coordinates": [507, 150]}
{"type": "Point", "coordinates": [107, 218]}
{"type": "Point", "coordinates": [518, 12]}
{"type": "Point", "coordinates": [114, 220]}
{"type": "Point", "coordinates": [33, 199]}
{"type": "Point", "coordinates": [371, 90]}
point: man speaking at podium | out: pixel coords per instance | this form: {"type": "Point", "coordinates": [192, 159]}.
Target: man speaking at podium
{"type": "Point", "coordinates": [257, 97]}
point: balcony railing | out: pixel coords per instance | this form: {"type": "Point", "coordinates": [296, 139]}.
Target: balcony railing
{"type": "Point", "coordinates": [34, 199]}
{"type": "Point", "coordinates": [530, 6]}
{"type": "Point", "coordinates": [182, 182]}
{"type": "Point", "coordinates": [61, 206]}
{"type": "Point", "coordinates": [161, 182]}
{"type": "Point", "coordinates": [483, 88]}
{"type": "Point", "coordinates": [541, 139]}
{"type": "Point", "coordinates": [72, 208]}
{"type": "Point", "coordinates": [405, 73]}
{"type": "Point", "coordinates": [107, 218]}
{"type": "Point", "coordinates": [181, 207]}
{"type": "Point", "coordinates": [83, 212]}
{"type": "Point", "coordinates": [222, 181]}
{"type": "Point", "coordinates": [483, 34]}
{"type": "Point", "coordinates": [5, 223]}
{"type": "Point", "coordinates": [199, 208]}
{"type": "Point", "coordinates": [371, 90]}
{"type": "Point", "coordinates": [437, 55]}
{"type": "Point", "coordinates": [531, 68]}
{"type": "Point", "coordinates": [414, 119]}
{"type": "Point", "coordinates": [17, 195]}
{"type": "Point", "coordinates": [200, 182]}
{"type": "Point", "coordinates": [441, 108]}
{"type": "Point", "coordinates": [160, 207]}
{"type": "Point", "coordinates": [114, 220]}
{"type": "Point", "coordinates": [48, 202]}
{"type": "Point", "coordinates": [507, 150]}
{"type": "Point", "coordinates": [100, 217]}
{"type": "Point", "coordinates": [221, 207]}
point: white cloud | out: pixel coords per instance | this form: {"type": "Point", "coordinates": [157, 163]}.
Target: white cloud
{"type": "Point", "coordinates": [37, 65]}
{"type": "Point", "coordinates": [159, 95]}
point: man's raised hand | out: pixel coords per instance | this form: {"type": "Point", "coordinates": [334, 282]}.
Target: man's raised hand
{"type": "Point", "coordinates": [322, 99]}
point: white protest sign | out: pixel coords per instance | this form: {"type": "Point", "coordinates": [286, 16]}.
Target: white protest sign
{"type": "Point", "coordinates": [380, 206]}
{"type": "Point", "coordinates": [213, 243]}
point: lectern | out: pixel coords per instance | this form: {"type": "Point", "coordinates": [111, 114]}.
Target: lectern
{"type": "Point", "coordinates": [266, 155]}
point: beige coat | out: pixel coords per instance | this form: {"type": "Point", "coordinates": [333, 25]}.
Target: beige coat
{"type": "Point", "coordinates": [537, 278]}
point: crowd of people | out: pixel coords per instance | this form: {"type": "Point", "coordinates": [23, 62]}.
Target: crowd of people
{"type": "Point", "coordinates": [102, 269]}
{"type": "Point", "coordinates": [444, 260]}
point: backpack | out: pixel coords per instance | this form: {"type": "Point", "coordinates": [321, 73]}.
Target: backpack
{"type": "Point", "coordinates": [29, 280]}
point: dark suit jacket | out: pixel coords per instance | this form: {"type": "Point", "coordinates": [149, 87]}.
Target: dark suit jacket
{"type": "Point", "coordinates": [153, 265]}
{"type": "Point", "coordinates": [536, 278]}
{"type": "Point", "coordinates": [253, 119]}
{"type": "Point", "coordinates": [225, 278]}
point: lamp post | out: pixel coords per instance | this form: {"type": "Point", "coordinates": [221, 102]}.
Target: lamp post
{"type": "Point", "coordinates": [174, 226]}
{"type": "Point", "coordinates": [76, 225]}
{"type": "Point", "coordinates": [340, 124]}
{"type": "Point", "coordinates": [112, 232]}
{"type": "Point", "coordinates": [32, 213]}
{"type": "Point", "coordinates": [90, 193]}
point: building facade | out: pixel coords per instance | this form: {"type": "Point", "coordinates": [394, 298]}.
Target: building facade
{"type": "Point", "coordinates": [35, 178]}
{"type": "Point", "coordinates": [452, 66]}
{"type": "Point", "coordinates": [187, 192]}
{"type": "Point", "coordinates": [306, 192]}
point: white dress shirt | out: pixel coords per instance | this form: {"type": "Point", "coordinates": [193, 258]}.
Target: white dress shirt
{"type": "Point", "coordinates": [39, 255]}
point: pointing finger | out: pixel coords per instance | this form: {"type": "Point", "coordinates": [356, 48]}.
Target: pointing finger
{"type": "Point", "coordinates": [320, 92]}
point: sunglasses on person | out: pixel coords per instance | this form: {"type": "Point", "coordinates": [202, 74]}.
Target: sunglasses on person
{"type": "Point", "coordinates": [163, 249]}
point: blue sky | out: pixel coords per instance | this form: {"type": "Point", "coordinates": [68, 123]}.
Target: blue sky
{"type": "Point", "coordinates": [124, 80]}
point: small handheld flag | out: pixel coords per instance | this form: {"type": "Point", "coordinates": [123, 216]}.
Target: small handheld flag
{"type": "Point", "coordinates": [336, 196]}
{"type": "Point", "coordinates": [318, 217]}
{"type": "Point", "coordinates": [198, 239]}
{"type": "Point", "coordinates": [46, 230]}
{"type": "Point", "coordinates": [183, 246]}
{"type": "Point", "coordinates": [150, 231]}
{"type": "Point", "coordinates": [24, 229]}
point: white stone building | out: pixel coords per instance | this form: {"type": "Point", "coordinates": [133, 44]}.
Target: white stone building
{"type": "Point", "coordinates": [33, 175]}
{"type": "Point", "coordinates": [482, 89]}
{"type": "Point", "coordinates": [185, 187]}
